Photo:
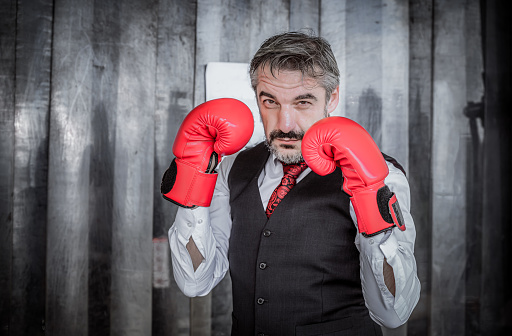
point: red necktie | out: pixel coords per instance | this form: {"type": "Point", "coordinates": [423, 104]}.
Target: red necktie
{"type": "Point", "coordinates": [291, 172]}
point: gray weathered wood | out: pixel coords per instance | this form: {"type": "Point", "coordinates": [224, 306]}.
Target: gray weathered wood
{"type": "Point", "coordinates": [474, 178]}
{"type": "Point", "coordinates": [174, 99]}
{"type": "Point", "coordinates": [449, 147]}
{"type": "Point", "coordinates": [333, 28]}
{"type": "Point", "coordinates": [7, 112]}
{"type": "Point", "coordinates": [68, 169]}
{"type": "Point", "coordinates": [104, 72]}
{"type": "Point", "coordinates": [305, 14]}
{"type": "Point", "coordinates": [420, 142]}
{"type": "Point", "coordinates": [221, 35]}
{"type": "Point", "coordinates": [395, 80]}
{"type": "Point", "coordinates": [497, 161]}
{"type": "Point", "coordinates": [134, 170]}
{"type": "Point", "coordinates": [364, 65]}
{"type": "Point", "coordinates": [267, 18]}
{"type": "Point", "coordinates": [33, 61]}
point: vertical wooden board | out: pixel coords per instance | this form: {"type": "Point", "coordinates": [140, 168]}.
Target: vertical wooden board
{"type": "Point", "coordinates": [208, 35]}
{"type": "Point", "coordinates": [33, 61]}
{"type": "Point", "coordinates": [474, 176]}
{"type": "Point", "coordinates": [420, 140]}
{"type": "Point", "coordinates": [497, 215]}
{"type": "Point", "coordinates": [211, 16]}
{"type": "Point", "coordinates": [450, 137]}
{"type": "Point", "coordinates": [104, 70]}
{"type": "Point", "coordinates": [68, 169]}
{"type": "Point", "coordinates": [7, 111]}
{"type": "Point", "coordinates": [395, 80]}
{"type": "Point", "coordinates": [132, 246]}
{"type": "Point", "coordinates": [364, 65]}
{"type": "Point", "coordinates": [267, 18]}
{"type": "Point", "coordinates": [174, 99]}
{"type": "Point", "coordinates": [222, 35]}
{"type": "Point", "coordinates": [333, 29]}
{"type": "Point", "coordinates": [305, 14]}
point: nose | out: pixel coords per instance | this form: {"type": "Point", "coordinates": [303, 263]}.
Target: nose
{"type": "Point", "coordinates": [287, 122]}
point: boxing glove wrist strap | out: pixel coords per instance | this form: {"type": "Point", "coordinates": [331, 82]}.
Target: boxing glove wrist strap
{"type": "Point", "coordinates": [376, 209]}
{"type": "Point", "coordinates": [185, 186]}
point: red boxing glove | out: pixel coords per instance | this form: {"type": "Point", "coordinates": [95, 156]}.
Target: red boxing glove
{"type": "Point", "coordinates": [213, 129]}
{"type": "Point", "coordinates": [338, 141]}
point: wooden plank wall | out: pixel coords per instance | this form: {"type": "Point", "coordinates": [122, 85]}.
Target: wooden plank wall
{"type": "Point", "coordinates": [93, 93]}
{"type": "Point", "coordinates": [7, 111]}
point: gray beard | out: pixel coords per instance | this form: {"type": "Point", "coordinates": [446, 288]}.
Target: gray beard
{"type": "Point", "coordinates": [294, 157]}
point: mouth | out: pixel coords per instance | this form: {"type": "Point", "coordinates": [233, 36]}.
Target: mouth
{"type": "Point", "coordinates": [287, 143]}
{"type": "Point", "coordinates": [288, 140]}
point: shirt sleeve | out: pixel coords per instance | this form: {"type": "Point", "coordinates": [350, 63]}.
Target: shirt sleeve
{"type": "Point", "coordinates": [397, 247]}
{"type": "Point", "coordinates": [210, 229]}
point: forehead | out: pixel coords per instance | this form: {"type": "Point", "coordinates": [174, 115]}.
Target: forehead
{"type": "Point", "coordinates": [286, 81]}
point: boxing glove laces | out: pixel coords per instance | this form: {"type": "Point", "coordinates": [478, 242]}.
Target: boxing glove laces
{"type": "Point", "coordinates": [210, 131]}
{"type": "Point", "coordinates": [340, 142]}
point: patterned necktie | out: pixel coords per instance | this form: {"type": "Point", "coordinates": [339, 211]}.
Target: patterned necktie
{"type": "Point", "coordinates": [291, 172]}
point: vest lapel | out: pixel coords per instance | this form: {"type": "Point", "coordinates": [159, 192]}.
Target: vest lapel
{"type": "Point", "coordinates": [254, 160]}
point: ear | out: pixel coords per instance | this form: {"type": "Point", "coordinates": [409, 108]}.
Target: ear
{"type": "Point", "coordinates": [333, 100]}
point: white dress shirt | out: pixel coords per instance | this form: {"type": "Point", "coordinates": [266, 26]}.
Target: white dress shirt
{"type": "Point", "coordinates": [210, 229]}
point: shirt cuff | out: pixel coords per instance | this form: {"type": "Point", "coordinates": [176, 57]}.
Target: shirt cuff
{"type": "Point", "coordinates": [190, 222]}
{"type": "Point", "coordinates": [389, 246]}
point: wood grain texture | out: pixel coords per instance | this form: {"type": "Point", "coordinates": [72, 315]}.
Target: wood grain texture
{"type": "Point", "coordinates": [420, 147]}
{"type": "Point", "coordinates": [68, 169]}
{"type": "Point", "coordinates": [305, 15]}
{"type": "Point", "coordinates": [132, 248]}
{"type": "Point", "coordinates": [174, 99]}
{"type": "Point", "coordinates": [333, 29]}
{"type": "Point", "coordinates": [449, 166]}
{"type": "Point", "coordinates": [33, 68]}
{"type": "Point", "coordinates": [496, 229]}
{"type": "Point", "coordinates": [104, 100]}
{"type": "Point", "coordinates": [364, 65]}
{"type": "Point", "coordinates": [395, 80]}
{"type": "Point", "coordinates": [7, 113]}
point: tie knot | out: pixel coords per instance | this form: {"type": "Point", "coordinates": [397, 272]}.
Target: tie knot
{"type": "Point", "coordinates": [294, 169]}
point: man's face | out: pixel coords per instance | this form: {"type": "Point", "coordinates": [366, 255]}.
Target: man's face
{"type": "Point", "coordinates": [289, 104]}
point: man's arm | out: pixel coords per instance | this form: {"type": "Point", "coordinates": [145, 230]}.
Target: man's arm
{"type": "Point", "coordinates": [377, 190]}
{"type": "Point", "coordinates": [199, 240]}
{"type": "Point", "coordinates": [389, 277]}
{"type": "Point", "coordinates": [195, 255]}
{"type": "Point", "coordinates": [391, 286]}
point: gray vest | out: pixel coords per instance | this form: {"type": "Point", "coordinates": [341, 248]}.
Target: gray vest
{"type": "Point", "coordinates": [296, 273]}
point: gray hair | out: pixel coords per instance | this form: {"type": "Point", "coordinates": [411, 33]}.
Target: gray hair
{"type": "Point", "coordinates": [297, 51]}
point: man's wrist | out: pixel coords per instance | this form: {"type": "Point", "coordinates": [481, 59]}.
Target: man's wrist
{"type": "Point", "coordinates": [190, 220]}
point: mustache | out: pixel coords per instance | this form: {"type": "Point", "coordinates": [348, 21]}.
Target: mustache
{"type": "Point", "coordinates": [280, 134]}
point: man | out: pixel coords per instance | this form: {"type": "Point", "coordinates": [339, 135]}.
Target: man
{"type": "Point", "coordinates": [300, 264]}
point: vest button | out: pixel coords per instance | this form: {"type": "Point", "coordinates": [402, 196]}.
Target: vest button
{"type": "Point", "coordinates": [263, 265]}
{"type": "Point", "coordinates": [267, 233]}
{"type": "Point", "coordinates": [260, 301]}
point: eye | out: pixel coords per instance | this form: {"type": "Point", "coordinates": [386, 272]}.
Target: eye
{"type": "Point", "coordinates": [269, 102]}
{"type": "Point", "coordinates": [303, 104]}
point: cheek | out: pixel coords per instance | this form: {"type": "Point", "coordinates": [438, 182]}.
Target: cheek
{"type": "Point", "coordinates": [307, 120]}
{"type": "Point", "coordinates": [268, 121]}
{"type": "Point", "coordinates": [305, 123]}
